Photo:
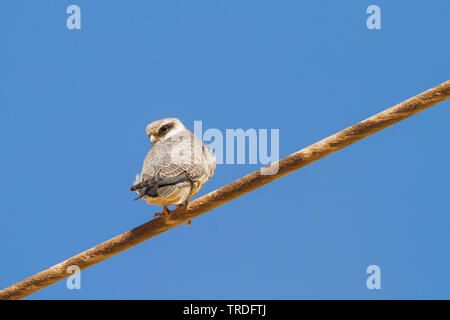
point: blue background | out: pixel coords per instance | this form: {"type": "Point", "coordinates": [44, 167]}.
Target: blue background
{"type": "Point", "coordinates": [75, 103]}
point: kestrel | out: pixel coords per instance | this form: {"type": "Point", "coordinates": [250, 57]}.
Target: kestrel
{"type": "Point", "coordinates": [175, 168]}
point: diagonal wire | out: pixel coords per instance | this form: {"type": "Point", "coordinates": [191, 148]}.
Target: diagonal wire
{"type": "Point", "coordinates": [230, 192]}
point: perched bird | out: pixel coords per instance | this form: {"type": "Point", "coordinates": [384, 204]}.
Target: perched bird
{"type": "Point", "coordinates": [175, 168]}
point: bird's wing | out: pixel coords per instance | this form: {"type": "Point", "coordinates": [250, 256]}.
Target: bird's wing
{"type": "Point", "coordinates": [172, 161]}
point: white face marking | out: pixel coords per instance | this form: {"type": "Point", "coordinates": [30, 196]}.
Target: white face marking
{"type": "Point", "coordinates": [154, 129]}
{"type": "Point", "coordinates": [173, 131]}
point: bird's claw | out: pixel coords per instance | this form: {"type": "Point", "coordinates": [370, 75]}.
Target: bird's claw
{"type": "Point", "coordinates": [185, 204]}
{"type": "Point", "coordinates": [158, 214]}
{"type": "Point", "coordinates": [165, 212]}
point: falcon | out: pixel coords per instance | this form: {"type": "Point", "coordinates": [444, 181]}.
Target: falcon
{"type": "Point", "coordinates": [175, 168]}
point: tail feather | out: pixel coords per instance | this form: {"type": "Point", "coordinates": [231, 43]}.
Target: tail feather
{"type": "Point", "coordinates": [140, 197]}
{"type": "Point", "coordinates": [150, 187]}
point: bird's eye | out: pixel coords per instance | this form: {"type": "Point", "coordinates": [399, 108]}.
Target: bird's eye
{"type": "Point", "coordinates": [163, 129]}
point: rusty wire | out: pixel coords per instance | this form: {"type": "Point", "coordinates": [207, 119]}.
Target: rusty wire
{"type": "Point", "coordinates": [230, 192]}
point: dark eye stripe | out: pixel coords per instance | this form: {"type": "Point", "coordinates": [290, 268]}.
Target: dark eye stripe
{"type": "Point", "coordinates": [165, 128]}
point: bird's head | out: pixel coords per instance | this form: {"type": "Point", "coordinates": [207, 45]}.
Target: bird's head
{"type": "Point", "coordinates": [163, 129]}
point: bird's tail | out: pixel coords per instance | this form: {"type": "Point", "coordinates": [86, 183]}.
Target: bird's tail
{"type": "Point", "coordinates": [140, 197]}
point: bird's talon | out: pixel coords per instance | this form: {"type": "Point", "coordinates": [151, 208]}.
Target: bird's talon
{"type": "Point", "coordinates": [166, 211]}
{"type": "Point", "coordinates": [182, 204]}
{"type": "Point", "coordinates": [158, 214]}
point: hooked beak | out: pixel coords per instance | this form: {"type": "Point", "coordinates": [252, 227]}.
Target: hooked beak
{"type": "Point", "coordinates": [152, 139]}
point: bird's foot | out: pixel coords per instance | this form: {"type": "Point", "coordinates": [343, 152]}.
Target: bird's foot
{"type": "Point", "coordinates": [165, 212]}
{"type": "Point", "coordinates": [185, 204]}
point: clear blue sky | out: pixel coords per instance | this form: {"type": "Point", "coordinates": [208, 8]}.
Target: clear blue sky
{"type": "Point", "coordinates": [73, 109]}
